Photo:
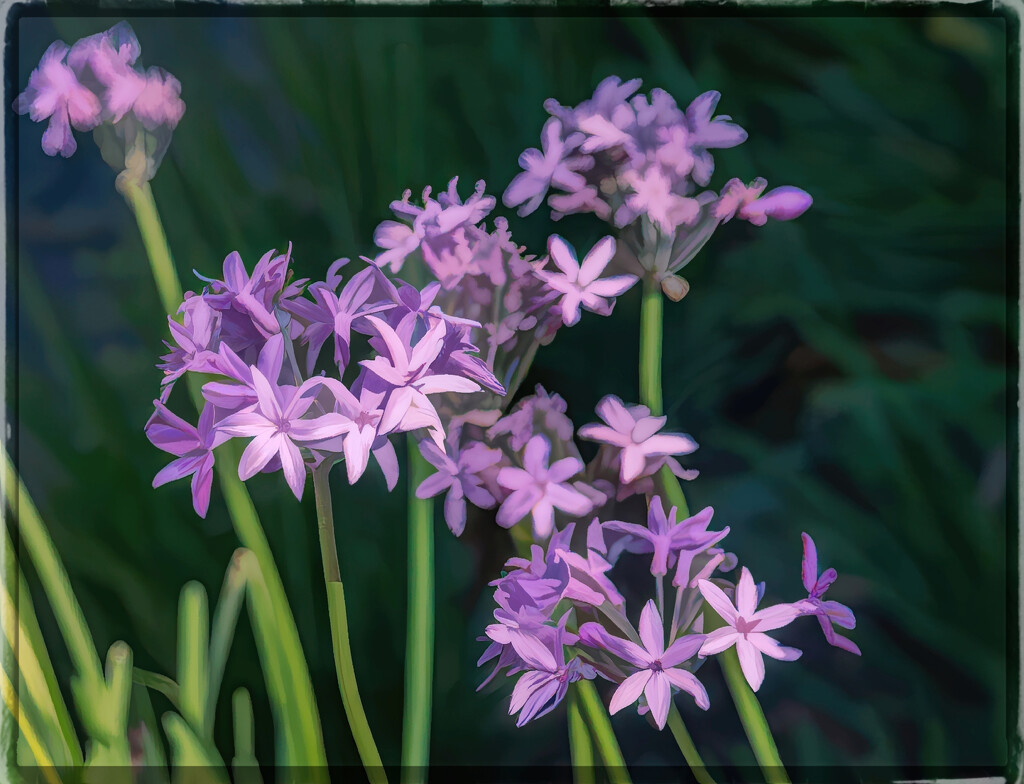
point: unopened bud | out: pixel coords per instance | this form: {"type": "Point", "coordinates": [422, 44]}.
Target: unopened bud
{"type": "Point", "coordinates": [675, 287]}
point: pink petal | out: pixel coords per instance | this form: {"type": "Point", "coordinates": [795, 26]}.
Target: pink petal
{"type": "Point", "coordinates": [652, 630]}
{"type": "Point", "coordinates": [568, 500]}
{"type": "Point", "coordinates": [292, 465]}
{"type": "Point", "coordinates": [518, 505]}
{"type": "Point", "coordinates": [771, 647]}
{"type": "Point", "coordinates": [718, 641]}
{"type": "Point", "coordinates": [564, 256]}
{"type": "Point", "coordinates": [659, 697]}
{"type": "Point", "coordinates": [774, 617]}
{"type": "Point", "coordinates": [688, 682]}
{"type": "Point", "coordinates": [716, 597]}
{"type": "Point", "coordinates": [629, 691]}
{"type": "Point", "coordinates": [257, 454]}
{"type": "Point", "coordinates": [751, 662]}
{"type": "Point", "coordinates": [746, 594]}
{"type": "Point", "coordinates": [595, 262]}
{"type": "Point", "coordinates": [809, 565]}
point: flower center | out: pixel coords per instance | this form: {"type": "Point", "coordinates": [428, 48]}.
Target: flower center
{"type": "Point", "coordinates": [744, 626]}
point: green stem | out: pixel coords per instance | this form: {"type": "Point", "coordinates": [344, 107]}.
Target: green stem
{"type": "Point", "coordinates": [581, 749]}
{"type": "Point", "coordinates": [686, 745]}
{"type": "Point", "coordinates": [339, 630]}
{"type": "Point", "coordinates": [303, 729]}
{"type": "Point", "coordinates": [140, 199]}
{"type": "Point", "coordinates": [596, 716]}
{"type": "Point", "coordinates": [750, 713]}
{"type": "Point", "coordinates": [754, 723]}
{"type": "Point", "coordinates": [419, 646]}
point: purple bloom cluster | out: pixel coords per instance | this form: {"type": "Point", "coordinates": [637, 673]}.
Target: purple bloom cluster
{"type": "Point", "coordinates": [560, 618]}
{"type": "Point", "coordinates": [643, 164]}
{"type": "Point", "coordinates": [96, 83]}
{"type": "Point", "coordinates": [483, 276]}
{"type": "Point", "coordinates": [256, 340]}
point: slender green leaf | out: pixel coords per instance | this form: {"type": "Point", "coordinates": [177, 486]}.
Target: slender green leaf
{"type": "Point", "coordinates": [193, 655]}
{"type": "Point", "coordinates": [225, 619]}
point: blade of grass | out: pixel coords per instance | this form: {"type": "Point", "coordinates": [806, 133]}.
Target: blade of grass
{"type": "Point", "coordinates": [244, 764]}
{"type": "Point", "coordinates": [28, 732]}
{"type": "Point", "coordinates": [158, 683]}
{"type": "Point", "coordinates": [193, 760]}
{"type": "Point", "coordinates": [596, 716]}
{"type": "Point", "coordinates": [581, 748]}
{"type": "Point", "coordinates": [193, 656]}
{"type": "Point", "coordinates": [142, 717]}
{"type": "Point", "coordinates": [225, 619]}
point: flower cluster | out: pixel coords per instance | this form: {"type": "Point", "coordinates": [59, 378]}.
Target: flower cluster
{"type": "Point", "coordinates": [643, 164]}
{"type": "Point", "coordinates": [256, 341]}
{"type": "Point", "coordinates": [560, 618]}
{"type": "Point", "coordinates": [98, 84]}
{"type": "Point", "coordinates": [483, 276]}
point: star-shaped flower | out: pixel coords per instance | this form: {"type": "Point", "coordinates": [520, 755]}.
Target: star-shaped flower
{"type": "Point", "coordinates": [580, 284]}
{"type": "Point", "coordinates": [828, 612]}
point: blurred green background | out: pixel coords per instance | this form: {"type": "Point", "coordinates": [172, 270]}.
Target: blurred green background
{"type": "Point", "coordinates": [849, 374]}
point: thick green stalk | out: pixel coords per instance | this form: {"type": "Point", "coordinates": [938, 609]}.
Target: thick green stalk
{"type": "Point", "coordinates": [750, 713]}
{"type": "Point", "coordinates": [754, 723]}
{"type": "Point", "coordinates": [306, 739]}
{"type": "Point", "coordinates": [581, 749]}
{"type": "Point", "coordinates": [686, 745]}
{"type": "Point", "coordinates": [419, 645]}
{"type": "Point", "coordinates": [596, 716]}
{"type": "Point", "coordinates": [339, 630]}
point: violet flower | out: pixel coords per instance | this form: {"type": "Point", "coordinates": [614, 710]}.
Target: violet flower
{"type": "Point", "coordinates": [658, 667]}
{"type": "Point", "coordinates": [828, 612]}
{"type": "Point", "coordinates": [635, 432]}
{"type": "Point", "coordinates": [538, 489]}
{"type": "Point", "coordinates": [546, 682]}
{"type": "Point", "coordinates": [55, 94]}
{"type": "Point", "coordinates": [193, 447]}
{"type": "Point", "coordinates": [539, 408]}
{"type": "Point", "coordinates": [747, 626]}
{"type": "Point", "coordinates": [552, 164]}
{"type": "Point", "coordinates": [706, 133]}
{"type": "Point", "coordinates": [277, 427]}
{"type": "Point", "coordinates": [457, 472]}
{"type": "Point", "coordinates": [666, 538]}
{"type": "Point", "coordinates": [581, 284]}
{"type": "Point", "coordinates": [747, 203]}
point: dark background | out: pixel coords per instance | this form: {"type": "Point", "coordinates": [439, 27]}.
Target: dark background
{"type": "Point", "coordinates": [848, 374]}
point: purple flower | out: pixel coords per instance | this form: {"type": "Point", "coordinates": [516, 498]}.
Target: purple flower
{"type": "Point", "coordinates": [635, 432]}
{"type": "Point", "coordinates": [106, 60]}
{"type": "Point", "coordinates": [541, 169]}
{"type": "Point", "coordinates": [192, 446]}
{"type": "Point", "coordinates": [196, 340]}
{"type": "Point", "coordinates": [54, 93]}
{"type": "Point", "coordinates": [658, 668]}
{"type": "Point", "coordinates": [159, 101]}
{"type": "Point", "coordinates": [653, 194]}
{"type": "Point", "coordinates": [544, 685]}
{"type": "Point", "coordinates": [665, 538]}
{"type": "Point", "coordinates": [580, 284]}
{"type": "Point", "coordinates": [520, 424]}
{"type": "Point", "coordinates": [276, 424]}
{"type": "Point", "coordinates": [407, 370]}
{"type": "Point", "coordinates": [707, 133]}
{"type": "Point", "coordinates": [747, 626]}
{"type": "Point", "coordinates": [828, 612]}
{"type": "Point", "coordinates": [538, 489]}
{"type": "Point", "coordinates": [457, 472]}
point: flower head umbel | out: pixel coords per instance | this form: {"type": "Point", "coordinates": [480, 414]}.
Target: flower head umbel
{"type": "Point", "coordinates": [644, 165]}
{"type": "Point", "coordinates": [827, 612]}
{"type": "Point", "coordinates": [746, 627]}
{"type": "Point", "coordinates": [658, 668]}
{"type": "Point", "coordinates": [98, 84]}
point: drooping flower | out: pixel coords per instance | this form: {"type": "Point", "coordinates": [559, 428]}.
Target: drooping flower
{"type": "Point", "coordinates": [747, 626]}
{"type": "Point", "coordinates": [828, 612]}
{"type": "Point", "coordinates": [658, 667]}
{"type": "Point", "coordinates": [55, 94]}
{"type": "Point", "coordinates": [633, 430]}
{"type": "Point", "coordinates": [192, 446]}
{"type": "Point", "coordinates": [746, 202]}
{"type": "Point", "coordinates": [706, 133]}
{"type": "Point", "coordinates": [539, 489]}
{"type": "Point", "coordinates": [580, 284]}
{"type": "Point", "coordinates": [545, 683]}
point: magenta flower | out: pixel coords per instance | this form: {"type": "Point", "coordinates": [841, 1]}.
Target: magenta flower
{"type": "Point", "coordinates": [828, 612]}
{"type": "Point", "coordinates": [667, 539]}
{"type": "Point", "coordinates": [275, 422]}
{"type": "Point", "coordinates": [54, 93]}
{"type": "Point", "coordinates": [658, 668]}
{"type": "Point", "coordinates": [193, 448]}
{"type": "Point", "coordinates": [538, 489]}
{"type": "Point", "coordinates": [747, 626]}
{"type": "Point", "coordinates": [746, 202]}
{"type": "Point", "coordinates": [581, 284]}
{"type": "Point", "coordinates": [196, 340]}
{"type": "Point", "coordinates": [635, 432]}
{"type": "Point", "coordinates": [458, 473]}
{"type": "Point", "coordinates": [106, 61]}
{"type": "Point", "coordinates": [542, 168]}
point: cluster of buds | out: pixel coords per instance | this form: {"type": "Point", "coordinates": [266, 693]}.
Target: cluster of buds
{"type": "Point", "coordinates": [97, 85]}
